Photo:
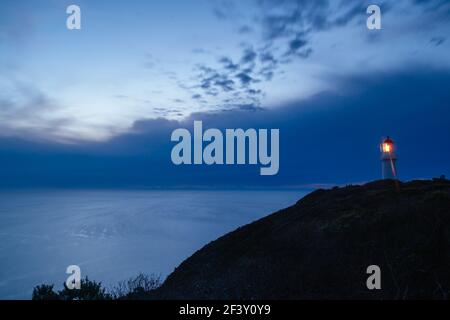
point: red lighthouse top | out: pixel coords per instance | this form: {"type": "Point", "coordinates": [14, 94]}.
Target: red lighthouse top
{"type": "Point", "coordinates": [387, 146]}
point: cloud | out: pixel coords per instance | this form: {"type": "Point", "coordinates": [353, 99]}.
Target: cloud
{"type": "Point", "coordinates": [228, 64]}
{"type": "Point", "coordinates": [291, 22]}
{"type": "Point", "coordinates": [222, 82]}
{"type": "Point", "coordinates": [297, 47]}
{"type": "Point", "coordinates": [250, 107]}
{"type": "Point", "coordinates": [437, 41]}
{"type": "Point", "coordinates": [25, 111]}
{"type": "Point", "coordinates": [249, 56]}
{"type": "Point", "coordinates": [289, 18]}
{"type": "Point", "coordinates": [267, 57]}
{"type": "Point", "coordinates": [225, 10]}
{"type": "Point", "coordinates": [440, 7]}
{"type": "Point", "coordinates": [245, 29]}
{"type": "Point", "coordinates": [245, 78]}
{"type": "Point", "coordinates": [297, 43]}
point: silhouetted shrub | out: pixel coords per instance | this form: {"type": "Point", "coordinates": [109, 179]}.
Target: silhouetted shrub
{"type": "Point", "coordinates": [90, 290]}
{"type": "Point", "coordinates": [44, 292]}
{"type": "Point", "coordinates": [139, 287]}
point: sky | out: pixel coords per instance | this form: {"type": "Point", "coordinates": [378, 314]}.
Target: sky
{"type": "Point", "coordinates": [95, 107]}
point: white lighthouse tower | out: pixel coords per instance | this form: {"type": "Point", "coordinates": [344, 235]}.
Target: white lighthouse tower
{"type": "Point", "coordinates": [388, 159]}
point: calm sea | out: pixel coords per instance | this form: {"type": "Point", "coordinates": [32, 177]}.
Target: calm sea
{"type": "Point", "coordinates": [113, 235]}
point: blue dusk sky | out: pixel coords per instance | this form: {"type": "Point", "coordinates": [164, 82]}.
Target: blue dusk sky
{"type": "Point", "coordinates": [95, 107]}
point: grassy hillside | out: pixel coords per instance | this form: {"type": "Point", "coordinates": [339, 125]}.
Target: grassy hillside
{"type": "Point", "coordinates": [320, 248]}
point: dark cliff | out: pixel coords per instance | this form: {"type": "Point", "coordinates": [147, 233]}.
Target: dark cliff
{"type": "Point", "coordinates": [320, 248]}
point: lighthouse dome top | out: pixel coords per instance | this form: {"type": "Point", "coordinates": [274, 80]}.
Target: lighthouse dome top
{"type": "Point", "coordinates": [387, 146]}
{"type": "Point", "coordinates": [388, 140]}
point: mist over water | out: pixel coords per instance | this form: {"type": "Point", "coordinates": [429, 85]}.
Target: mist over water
{"type": "Point", "coordinates": [114, 235]}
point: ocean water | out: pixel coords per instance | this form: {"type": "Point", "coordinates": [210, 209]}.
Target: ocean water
{"type": "Point", "coordinates": [114, 235]}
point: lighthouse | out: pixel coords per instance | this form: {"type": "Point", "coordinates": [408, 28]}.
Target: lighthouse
{"type": "Point", "coordinates": [388, 159]}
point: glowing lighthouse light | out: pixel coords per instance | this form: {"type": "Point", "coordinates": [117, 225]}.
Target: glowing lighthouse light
{"type": "Point", "coordinates": [388, 159]}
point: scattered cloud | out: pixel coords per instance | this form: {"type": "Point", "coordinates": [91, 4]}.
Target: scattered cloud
{"type": "Point", "coordinates": [437, 41]}
{"type": "Point", "coordinates": [249, 56]}
{"type": "Point", "coordinates": [245, 29]}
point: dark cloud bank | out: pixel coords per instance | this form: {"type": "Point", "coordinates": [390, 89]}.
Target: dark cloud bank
{"type": "Point", "coordinates": [329, 138]}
